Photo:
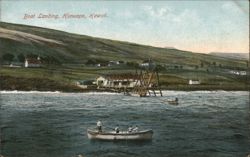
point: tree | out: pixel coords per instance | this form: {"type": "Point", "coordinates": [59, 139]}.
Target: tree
{"type": "Point", "coordinates": [90, 62]}
{"type": "Point", "coordinates": [133, 64]}
{"type": "Point", "coordinates": [21, 57]}
{"type": "Point", "coordinates": [8, 57]}
{"type": "Point", "coordinates": [32, 55]}
{"type": "Point", "coordinates": [160, 67]}
{"type": "Point", "coordinates": [51, 60]}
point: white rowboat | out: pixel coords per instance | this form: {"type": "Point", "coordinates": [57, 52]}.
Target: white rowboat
{"type": "Point", "coordinates": [123, 135]}
{"type": "Point", "coordinates": [173, 102]}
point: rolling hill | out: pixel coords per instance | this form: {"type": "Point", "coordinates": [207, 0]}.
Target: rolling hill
{"type": "Point", "coordinates": [70, 52]}
{"type": "Point", "coordinates": [72, 48]}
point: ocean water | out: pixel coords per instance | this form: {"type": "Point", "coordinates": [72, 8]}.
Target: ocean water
{"type": "Point", "coordinates": [53, 124]}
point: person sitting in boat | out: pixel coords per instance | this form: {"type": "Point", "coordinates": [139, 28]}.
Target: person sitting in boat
{"type": "Point", "coordinates": [135, 129]}
{"type": "Point", "coordinates": [130, 129]}
{"type": "Point", "coordinates": [99, 125]}
{"type": "Point", "coordinates": [176, 99]}
{"type": "Point", "coordinates": [117, 130]}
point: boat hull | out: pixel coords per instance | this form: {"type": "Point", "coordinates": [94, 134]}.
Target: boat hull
{"type": "Point", "coordinates": [141, 135]}
{"type": "Point", "coordinates": [172, 102]}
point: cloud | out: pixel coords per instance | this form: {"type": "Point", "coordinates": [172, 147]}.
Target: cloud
{"type": "Point", "coordinates": [157, 12]}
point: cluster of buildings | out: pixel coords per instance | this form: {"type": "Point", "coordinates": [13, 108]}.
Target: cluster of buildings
{"type": "Point", "coordinates": [118, 81]}
{"type": "Point", "coordinates": [234, 72]}
{"type": "Point", "coordinates": [28, 63]}
{"type": "Point", "coordinates": [110, 63]}
{"type": "Point", "coordinates": [145, 64]}
{"type": "Point", "coordinates": [111, 81]}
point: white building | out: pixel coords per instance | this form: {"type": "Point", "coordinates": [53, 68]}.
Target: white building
{"type": "Point", "coordinates": [193, 82]}
{"type": "Point", "coordinates": [101, 64]}
{"type": "Point", "coordinates": [148, 64]}
{"type": "Point", "coordinates": [238, 72]}
{"type": "Point", "coordinates": [16, 65]}
{"type": "Point", "coordinates": [112, 63]}
{"type": "Point", "coordinates": [243, 73]}
{"type": "Point", "coordinates": [117, 81]}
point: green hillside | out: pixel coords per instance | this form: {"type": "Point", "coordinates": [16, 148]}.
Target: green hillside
{"type": "Point", "coordinates": [65, 56]}
{"type": "Point", "coordinates": [73, 48]}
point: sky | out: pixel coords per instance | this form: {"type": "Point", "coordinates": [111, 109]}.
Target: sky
{"type": "Point", "coordinates": [195, 25]}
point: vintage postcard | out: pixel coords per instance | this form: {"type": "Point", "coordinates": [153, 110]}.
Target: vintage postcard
{"type": "Point", "coordinates": [124, 78]}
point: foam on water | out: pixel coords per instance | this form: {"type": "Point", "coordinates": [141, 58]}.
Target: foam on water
{"type": "Point", "coordinates": [102, 93]}
{"type": "Point", "coordinates": [28, 92]}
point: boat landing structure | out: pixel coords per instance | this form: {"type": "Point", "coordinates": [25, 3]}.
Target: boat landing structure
{"type": "Point", "coordinates": [148, 82]}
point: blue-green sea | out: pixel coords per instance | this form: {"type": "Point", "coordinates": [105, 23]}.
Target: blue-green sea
{"type": "Point", "coordinates": [53, 124]}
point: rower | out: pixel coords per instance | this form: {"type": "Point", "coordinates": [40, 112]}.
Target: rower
{"type": "Point", "coordinates": [99, 126]}
{"type": "Point", "coordinates": [176, 99]}
{"type": "Point", "coordinates": [135, 129]}
{"type": "Point", "coordinates": [117, 129]}
{"type": "Point", "coordinates": [130, 129]}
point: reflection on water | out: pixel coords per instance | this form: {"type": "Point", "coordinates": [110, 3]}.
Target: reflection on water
{"type": "Point", "coordinates": [204, 123]}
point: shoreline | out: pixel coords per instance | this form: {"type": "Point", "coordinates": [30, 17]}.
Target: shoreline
{"type": "Point", "coordinates": [9, 83]}
{"type": "Point", "coordinates": [108, 91]}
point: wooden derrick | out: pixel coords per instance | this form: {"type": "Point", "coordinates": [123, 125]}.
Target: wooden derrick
{"type": "Point", "coordinates": [148, 83]}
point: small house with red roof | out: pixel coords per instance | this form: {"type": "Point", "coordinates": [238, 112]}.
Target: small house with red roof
{"type": "Point", "coordinates": [32, 62]}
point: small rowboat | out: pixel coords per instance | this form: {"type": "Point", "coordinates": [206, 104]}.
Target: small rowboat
{"type": "Point", "coordinates": [173, 102]}
{"type": "Point", "coordinates": [123, 135]}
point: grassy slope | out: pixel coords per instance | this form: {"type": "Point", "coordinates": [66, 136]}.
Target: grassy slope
{"type": "Point", "coordinates": [79, 48]}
